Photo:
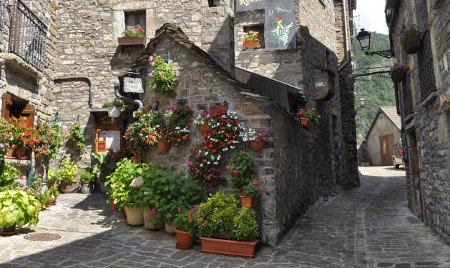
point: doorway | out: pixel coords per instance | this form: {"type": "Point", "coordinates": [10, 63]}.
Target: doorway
{"type": "Point", "coordinates": [387, 149]}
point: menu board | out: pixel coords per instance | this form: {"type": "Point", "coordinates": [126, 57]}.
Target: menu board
{"type": "Point", "coordinates": [280, 25]}
{"type": "Point", "coordinates": [248, 5]}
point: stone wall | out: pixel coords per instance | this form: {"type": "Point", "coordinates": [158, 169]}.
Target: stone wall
{"type": "Point", "coordinates": [427, 160]}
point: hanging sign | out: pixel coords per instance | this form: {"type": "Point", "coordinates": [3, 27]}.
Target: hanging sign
{"type": "Point", "coordinates": [248, 5]}
{"type": "Point", "coordinates": [280, 25]}
{"type": "Point", "coordinates": [132, 85]}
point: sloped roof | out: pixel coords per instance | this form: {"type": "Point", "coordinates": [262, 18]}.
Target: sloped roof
{"type": "Point", "coordinates": [391, 113]}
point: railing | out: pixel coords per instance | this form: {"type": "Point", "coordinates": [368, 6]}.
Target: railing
{"type": "Point", "coordinates": [27, 36]}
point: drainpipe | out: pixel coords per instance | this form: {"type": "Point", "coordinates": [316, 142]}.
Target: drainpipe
{"type": "Point", "coordinates": [126, 99]}
{"type": "Point", "coordinates": [347, 52]}
{"type": "Point", "coordinates": [82, 78]}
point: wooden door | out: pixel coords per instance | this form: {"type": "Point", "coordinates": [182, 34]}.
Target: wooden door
{"type": "Point", "coordinates": [387, 150]}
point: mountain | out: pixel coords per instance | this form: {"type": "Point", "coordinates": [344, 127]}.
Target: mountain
{"type": "Point", "coordinates": [378, 89]}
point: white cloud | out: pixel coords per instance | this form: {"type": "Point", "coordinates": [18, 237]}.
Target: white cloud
{"type": "Point", "coordinates": [370, 16]}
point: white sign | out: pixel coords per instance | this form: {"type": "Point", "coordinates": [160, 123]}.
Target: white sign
{"type": "Point", "coordinates": [111, 138]}
{"type": "Point", "coordinates": [132, 85]}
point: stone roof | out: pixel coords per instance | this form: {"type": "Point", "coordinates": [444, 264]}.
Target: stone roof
{"type": "Point", "coordinates": [391, 113]}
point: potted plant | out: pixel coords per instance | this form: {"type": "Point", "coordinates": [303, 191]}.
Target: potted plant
{"type": "Point", "coordinates": [66, 173]}
{"type": "Point", "coordinates": [240, 167]}
{"type": "Point", "coordinates": [24, 137]}
{"type": "Point", "coordinates": [8, 177]}
{"type": "Point", "coordinates": [411, 39]}
{"type": "Point", "coordinates": [178, 117]}
{"type": "Point", "coordinates": [251, 194]}
{"type": "Point", "coordinates": [251, 40]}
{"type": "Point", "coordinates": [126, 182]}
{"type": "Point", "coordinates": [398, 72]}
{"type": "Point", "coordinates": [187, 225]}
{"type": "Point", "coordinates": [161, 75]}
{"type": "Point", "coordinates": [76, 136]}
{"type": "Point", "coordinates": [152, 220]}
{"type": "Point", "coordinates": [49, 141]}
{"type": "Point", "coordinates": [165, 138]}
{"type": "Point", "coordinates": [258, 139]}
{"type": "Point", "coordinates": [132, 36]}
{"type": "Point", "coordinates": [308, 118]}
{"type": "Point", "coordinates": [143, 131]}
{"type": "Point", "coordinates": [18, 208]}
{"type": "Point", "coordinates": [202, 122]}
{"type": "Point", "coordinates": [226, 228]}
{"type": "Point", "coordinates": [114, 107]}
{"type": "Point", "coordinates": [87, 179]}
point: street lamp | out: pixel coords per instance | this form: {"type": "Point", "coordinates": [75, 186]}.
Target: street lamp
{"type": "Point", "coordinates": [364, 40]}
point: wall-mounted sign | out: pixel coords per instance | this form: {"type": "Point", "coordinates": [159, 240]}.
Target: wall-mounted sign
{"type": "Point", "coordinates": [280, 25]}
{"type": "Point", "coordinates": [248, 5]}
{"type": "Point", "coordinates": [132, 85]}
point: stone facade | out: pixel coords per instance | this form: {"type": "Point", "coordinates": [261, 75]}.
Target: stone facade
{"type": "Point", "coordinates": [424, 103]}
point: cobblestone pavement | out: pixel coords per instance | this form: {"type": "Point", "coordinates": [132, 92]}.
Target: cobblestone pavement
{"type": "Point", "coordinates": [366, 227]}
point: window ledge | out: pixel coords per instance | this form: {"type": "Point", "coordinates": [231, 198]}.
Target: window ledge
{"type": "Point", "coordinates": [15, 60]}
{"type": "Point", "coordinates": [433, 95]}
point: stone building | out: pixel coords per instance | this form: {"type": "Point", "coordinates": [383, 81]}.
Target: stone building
{"type": "Point", "coordinates": [380, 139]}
{"type": "Point", "coordinates": [307, 66]}
{"type": "Point", "coordinates": [423, 101]}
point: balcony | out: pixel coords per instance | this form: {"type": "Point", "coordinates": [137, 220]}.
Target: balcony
{"type": "Point", "coordinates": [27, 33]}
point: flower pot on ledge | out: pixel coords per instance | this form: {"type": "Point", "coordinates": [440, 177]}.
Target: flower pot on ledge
{"type": "Point", "coordinates": [412, 44]}
{"type": "Point", "coordinates": [228, 247]}
{"type": "Point", "coordinates": [249, 202]}
{"type": "Point", "coordinates": [163, 147]}
{"type": "Point", "coordinates": [131, 41]}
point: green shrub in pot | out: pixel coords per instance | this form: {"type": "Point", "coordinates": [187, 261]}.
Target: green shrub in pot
{"type": "Point", "coordinates": [87, 177]}
{"type": "Point", "coordinates": [67, 171]}
{"type": "Point", "coordinates": [18, 208]}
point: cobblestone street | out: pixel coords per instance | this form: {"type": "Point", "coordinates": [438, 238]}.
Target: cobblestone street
{"type": "Point", "coordinates": [366, 227]}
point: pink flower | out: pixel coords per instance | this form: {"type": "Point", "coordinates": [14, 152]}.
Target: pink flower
{"type": "Point", "coordinates": [152, 213]}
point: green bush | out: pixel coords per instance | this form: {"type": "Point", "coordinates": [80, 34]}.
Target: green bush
{"type": "Point", "coordinates": [221, 217]}
{"type": "Point", "coordinates": [67, 170]}
{"type": "Point", "coordinates": [8, 177]}
{"type": "Point", "coordinates": [18, 207]}
{"type": "Point", "coordinates": [87, 176]}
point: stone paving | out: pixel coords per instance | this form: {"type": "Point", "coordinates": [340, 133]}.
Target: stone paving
{"type": "Point", "coordinates": [366, 227]}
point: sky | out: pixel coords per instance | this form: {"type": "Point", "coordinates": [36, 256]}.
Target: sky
{"type": "Point", "coordinates": [370, 16]}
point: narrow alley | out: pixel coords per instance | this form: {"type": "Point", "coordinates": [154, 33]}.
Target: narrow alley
{"type": "Point", "coordinates": [366, 227]}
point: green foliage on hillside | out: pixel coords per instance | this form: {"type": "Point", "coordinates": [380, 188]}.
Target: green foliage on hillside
{"type": "Point", "coordinates": [377, 90]}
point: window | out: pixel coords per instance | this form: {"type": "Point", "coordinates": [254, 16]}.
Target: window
{"type": "Point", "coordinates": [213, 3]}
{"type": "Point", "coordinates": [134, 19]}
{"type": "Point", "coordinates": [259, 29]}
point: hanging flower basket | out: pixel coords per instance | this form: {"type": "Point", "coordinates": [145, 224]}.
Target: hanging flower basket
{"type": "Point", "coordinates": [163, 147]}
{"type": "Point", "coordinates": [257, 146]}
{"type": "Point", "coordinates": [203, 128]}
{"type": "Point", "coordinates": [412, 44]}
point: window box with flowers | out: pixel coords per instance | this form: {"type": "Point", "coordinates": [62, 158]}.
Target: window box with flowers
{"type": "Point", "coordinates": [251, 40]}
{"type": "Point", "coordinates": [227, 229]}
{"type": "Point", "coordinates": [132, 36]}
{"type": "Point", "coordinates": [411, 39]}
{"type": "Point", "coordinates": [308, 118]}
{"type": "Point", "coordinates": [398, 72]}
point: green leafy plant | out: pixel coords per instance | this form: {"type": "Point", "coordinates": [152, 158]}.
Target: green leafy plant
{"type": "Point", "coordinates": [161, 74]}
{"type": "Point", "coordinates": [240, 166]}
{"type": "Point", "coordinates": [76, 135]}
{"type": "Point", "coordinates": [50, 138]}
{"type": "Point", "coordinates": [245, 227]}
{"type": "Point", "coordinates": [126, 182]}
{"type": "Point", "coordinates": [52, 178]}
{"type": "Point", "coordinates": [252, 189]}
{"type": "Point", "coordinates": [115, 103]}
{"type": "Point", "coordinates": [311, 115]}
{"type": "Point", "coordinates": [408, 32]}
{"type": "Point", "coordinates": [143, 131]}
{"type": "Point", "coordinates": [87, 176]}
{"type": "Point", "coordinates": [8, 177]}
{"type": "Point", "coordinates": [134, 31]}
{"type": "Point", "coordinates": [18, 207]}
{"type": "Point", "coordinates": [186, 221]}
{"type": "Point", "coordinates": [67, 170]}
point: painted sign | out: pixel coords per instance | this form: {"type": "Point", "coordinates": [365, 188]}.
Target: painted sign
{"type": "Point", "coordinates": [132, 85]}
{"type": "Point", "coordinates": [280, 25]}
{"type": "Point", "coordinates": [248, 5]}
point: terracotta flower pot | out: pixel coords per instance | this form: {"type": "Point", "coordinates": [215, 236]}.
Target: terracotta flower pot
{"type": "Point", "coordinates": [5, 231]}
{"type": "Point", "coordinates": [184, 240]}
{"type": "Point", "coordinates": [67, 187]}
{"type": "Point", "coordinates": [203, 128]}
{"type": "Point", "coordinates": [228, 247]}
{"type": "Point", "coordinates": [150, 223]}
{"type": "Point", "coordinates": [169, 228]}
{"type": "Point", "coordinates": [412, 44]}
{"type": "Point", "coordinates": [136, 159]}
{"type": "Point", "coordinates": [134, 216]}
{"type": "Point", "coordinates": [257, 145]}
{"type": "Point", "coordinates": [249, 202]}
{"type": "Point", "coordinates": [131, 41]}
{"type": "Point", "coordinates": [163, 147]}
{"type": "Point", "coordinates": [22, 153]}
{"type": "Point", "coordinates": [252, 44]}
{"type": "Point", "coordinates": [50, 203]}
{"type": "Point", "coordinates": [87, 187]}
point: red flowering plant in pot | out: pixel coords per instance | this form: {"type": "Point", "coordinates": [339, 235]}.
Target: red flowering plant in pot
{"type": "Point", "coordinates": [226, 228]}
{"type": "Point", "coordinates": [24, 136]}
{"type": "Point", "coordinates": [308, 118]}
{"type": "Point", "coordinates": [50, 139]}
{"type": "Point", "coordinates": [411, 39]}
{"type": "Point", "coordinates": [202, 122]}
{"type": "Point", "coordinates": [258, 139]}
{"type": "Point", "coordinates": [251, 193]}
{"type": "Point", "coordinates": [187, 226]}
{"type": "Point", "coordinates": [178, 117]}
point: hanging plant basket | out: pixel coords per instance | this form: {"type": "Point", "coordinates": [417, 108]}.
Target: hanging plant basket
{"type": "Point", "coordinates": [257, 145]}
{"type": "Point", "coordinates": [397, 74]}
{"type": "Point", "coordinates": [163, 147]}
{"type": "Point", "coordinates": [203, 128]}
{"type": "Point", "coordinates": [228, 247]}
{"type": "Point", "coordinates": [412, 44]}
